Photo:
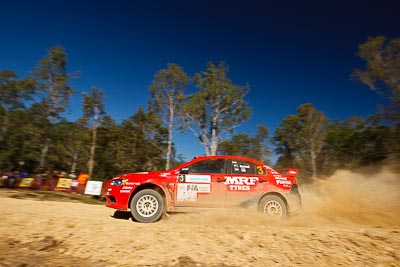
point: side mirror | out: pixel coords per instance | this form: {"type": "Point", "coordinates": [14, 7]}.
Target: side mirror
{"type": "Point", "coordinates": [184, 170]}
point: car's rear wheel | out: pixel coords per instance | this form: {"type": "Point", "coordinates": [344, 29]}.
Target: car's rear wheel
{"type": "Point", "coordinates": [273, 206]}
{"type": "Point", "coordinates": [147, 206]}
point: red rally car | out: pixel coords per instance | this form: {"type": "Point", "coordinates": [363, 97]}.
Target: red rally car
{"type": "Point", "coordinates": [206, 182]}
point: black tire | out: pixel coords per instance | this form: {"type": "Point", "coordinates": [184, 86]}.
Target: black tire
{"type": "Point", "coordinates": [273, 206]}
{"type": "Point", "coordinates": [147, 206]}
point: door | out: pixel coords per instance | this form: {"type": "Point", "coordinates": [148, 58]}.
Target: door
{"type": "Point", "coordinates": [202, 184]}
{"type": "Point", "coordinates": [245, 183]}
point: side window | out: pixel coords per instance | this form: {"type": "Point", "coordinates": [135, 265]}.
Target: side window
{"type": "Point", "coordinates": [208, 166]}
{"type": "Point", "coordinates": [245, 167]}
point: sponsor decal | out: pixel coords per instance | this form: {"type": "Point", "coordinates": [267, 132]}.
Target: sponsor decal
{"type": "Point", "coordinates": [131, 183]}
{"type": "Point", "coordinates": [240, 183]}
{"type": "Point", "coordinates": [64, 183]}
{"type": "Point", "coordinates": [285, 183]}
{"type": "Point", "coordinates": [200, 188]}
{"type": "Point", "coordinates": [292, 172]}
{"type": "Point", "coordinates": [188, 192]}
{"type": "Point", "coordinates": [127, 187]}
{"type": "Point", "coordinates": [239, 188]}
{"type": "Point", "coordinates": [260, 170]}
{"type": "Point", "coordinates": [193, 178]}
{"type": "Point", "coordinates": [181, 178]}
{"type": "Point", "coordinates": [26, 182]}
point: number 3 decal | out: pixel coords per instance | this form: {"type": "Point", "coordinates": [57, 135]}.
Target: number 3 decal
{"type": "Point", "coordinates": [260, 170]}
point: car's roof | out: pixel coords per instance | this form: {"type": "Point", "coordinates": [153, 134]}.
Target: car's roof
{"type": "Point", "coordinates": [199, 158]}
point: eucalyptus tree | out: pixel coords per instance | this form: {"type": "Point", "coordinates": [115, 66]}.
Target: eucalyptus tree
{"type": "Point", "coordinates": [217, 108]}
{"type": "Point", "coordinates": [65, 137]}
{"type": "Point", "coordinates": [357, 142]}
{"type": "Point", "coordinates": [382, 71]}
{"type": "Point", "coordinates": [382, 75]}
{"type": "Point", "coordinates": [246, 146]}
{"type": "Point", "coordinates": [141, 143]}
{"type": "Point", "coordinates": [93, 112]}
{"type": "Point", "coordinates": [303, 136]}
{"type": "Point", "coordinates": [53, 92]}
{"type": "Point", "coordinates": [109, 134]}
{"type": "Point", "coordinates": [13, 93]}
{"type": "Point", "coordinates": [19, 146]}
{"type": "Point", "coordinates": [166, 99]}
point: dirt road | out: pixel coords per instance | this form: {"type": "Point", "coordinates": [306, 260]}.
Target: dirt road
{"type": "Point", "coordinates": [348, 220]}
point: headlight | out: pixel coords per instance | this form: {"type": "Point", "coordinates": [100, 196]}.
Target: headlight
{"type": "Point", "coordinates": [117, 182]}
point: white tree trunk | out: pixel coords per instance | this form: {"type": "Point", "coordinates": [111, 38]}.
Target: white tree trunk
{"type": "Point", "coordinates": [214, 140]}
{"type": "Point", "coordinates": [170, 129]}
{"type": "Point", "coordinates": [93, 145]}
{"type": "Point", "coordinates": [314, 164]}
{"type": "Point", "coordinates": [43, 152]}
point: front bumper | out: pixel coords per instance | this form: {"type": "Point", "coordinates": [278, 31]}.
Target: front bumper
{"type": "Point", "coordinates": [115, 199]}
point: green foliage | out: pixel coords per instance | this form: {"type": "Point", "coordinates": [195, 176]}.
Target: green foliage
{"type": "Point", "coordinates": [13, 93]}
{"type": "Point", "coordinates": [52, 86]}
{"type": "Point", "coordinates": [106, 149]}
{"type": "Point", "coordinates": [243, 145]}
{"type": "Point", "coordinates": [32, 128]}
{"type": "Point", "coordinates": [93, 110]}
{"type": "Point", "coordinates": [358, 142]}
{"type": "Point", "coordinates": [52, 91]}
{"type": "Point", "coordinates": [382, 71]}
{"type": "Point", "coordinates": [20, 143]}
{"type": "Point", "coordinates": [382, 75]}
{"type": "Point", "coordinates": [217, 108]}
{"type": "Point", "coordinates": [300, 138]}
{"type": "Point", "coordinates": [141, 143]}
{"type": "Point", "coordinates": [167, 91]}
{"type": "Point", "coordinates": [166, 100]}
{"type": "Point", "coordinates": [92, 106]}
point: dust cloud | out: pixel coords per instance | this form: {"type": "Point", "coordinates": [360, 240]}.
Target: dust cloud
{"type": "Point", "coordinates": [348, 219]}
{"type": "Point", "coordinates": [345, 198]}
{"type": "Point", "coordinates": [353, 198]}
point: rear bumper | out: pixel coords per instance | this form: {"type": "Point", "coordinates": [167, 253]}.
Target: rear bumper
{"type": "Point", "coordinates": [294, 200]}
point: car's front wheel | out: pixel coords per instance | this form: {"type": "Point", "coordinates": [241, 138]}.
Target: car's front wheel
{"type": "Point", "coordinates": [273, 206]}
{"type": "Point", "coordinates": [147, 206]}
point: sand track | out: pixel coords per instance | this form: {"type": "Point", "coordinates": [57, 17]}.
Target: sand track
{"type": "Point", "coordinates": [341, 225]}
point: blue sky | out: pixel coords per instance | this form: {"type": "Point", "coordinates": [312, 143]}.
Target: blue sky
{"type": "Point", "coordinates": [289, 52]}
